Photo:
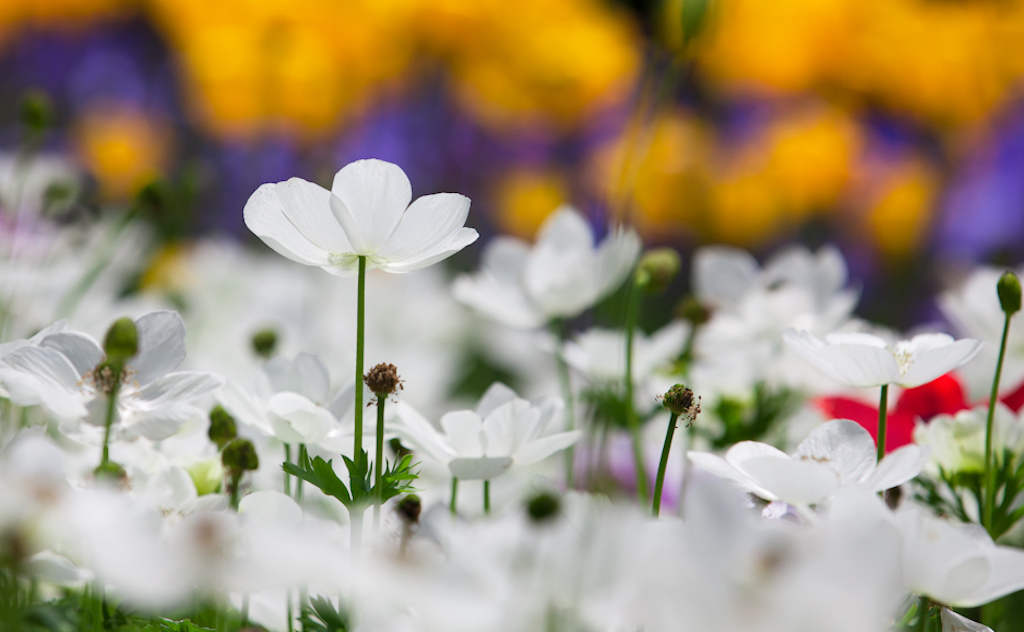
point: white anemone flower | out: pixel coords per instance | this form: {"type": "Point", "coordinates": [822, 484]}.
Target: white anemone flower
{"type": "Point", "coordinates": [153, 400]}
{"type": "Point", "coordinates": [864, 360]}
{"type": "Point", "coordinates": [365, 214]}
{"type": "Point", "coordinates": [559, 277]}
{"type": "Point", "coordinates": [835, 454]}
{"type": "Point", "coordinates": [481, 444]}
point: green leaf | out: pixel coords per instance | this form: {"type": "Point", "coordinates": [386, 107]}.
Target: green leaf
{"type": "Point", "coordinates": [320, 474]}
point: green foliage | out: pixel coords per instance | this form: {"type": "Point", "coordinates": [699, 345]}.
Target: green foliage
{"type": "Point", "coordinates": [753, 421]}
{"type": "Point", "coordinates": [320, 616]}
{"type": "Point", "coordinates": [360, 491]}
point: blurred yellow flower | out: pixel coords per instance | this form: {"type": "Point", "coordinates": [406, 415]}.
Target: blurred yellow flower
{"type": "Point", "coordinates": [899, 218]}
{"type": "Point", "coordinates": [525, 197]}
{"type": "Point", "coordinates": [124, 148]}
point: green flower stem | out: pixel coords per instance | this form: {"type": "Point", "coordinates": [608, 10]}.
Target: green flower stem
{"type": "Point", "coordinates": [990, 469]}
{"type": "Point", "coordinates": [659, 482]}
{"type": "Point", "coordinates": [565, 380]}
{"type": "Point", "coordinates": [117, 368]}
{"type": "Point", "coordinates": [236, 481]}
{"type": "Point", "coordinates": [288, 610]}
{"type": "Point", "coordinates": [632, 303]}
{"type": "Point", "coordinates": [303, 457]}
{"type": "Point", "coordinates": [360, 328]}
{"type": "Point", "coordinates": [378, 480]}
{"type": "Point", "coordinates": [487, 498]}
{"type": "Point", "coordinates": [244, 612]}
{"type": "Point", "coordinates": [883, 420]}
{"type": "Point", "coordinates": [452, 506]}
{"type": "Point", "coordinates": [287, 476]}
{"type": "Point", "coordinates": [922, 614]}
{"type": "Point", "coordinates": [98, 618]}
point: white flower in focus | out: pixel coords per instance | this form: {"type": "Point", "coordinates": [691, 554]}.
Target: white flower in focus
{"type": "Point", "coordinates": [957, 442]}
{"type": "Point", "coordinates": [863, 360]}
{"type": "Point", "coordinates": [504, 430]}
{"type": "Point", "coordinates": [562, 275]}
{"type": "Point", "coordinates": [63, 373]}
{"type": "Point", "coordinates": [835, 454]}
{"type": "Point", "coordinates": [955, 564]}
{"type": "Point", "coordinates": [366, 213]}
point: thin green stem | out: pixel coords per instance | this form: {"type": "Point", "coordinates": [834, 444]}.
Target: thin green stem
{"type": "Point", "coordinates": [97, 606]}
{"type": "Point", "coordinates": [288, 610]}
{"type": "Point", "coordinates": [565, 380]}
{"type": "Point", "coordinates": [378, 466]}
{"type": "Point", "coordinates": [922, 614]}
{"type": "Point", "coordinates": [236, 481]}
{"type": "Point", "coordinates": [632, 303]}
{"type": "Point", "coordinates": [487, 498]}
{"type": "Point", "coordinates": [990, 469]}
{"type": "Point", "coordinates": [117, 369]}
{"type": "Point", "coordinates": [360, 328]}
{"type": "Point", "coordinates": [287, 476]}
{"type": "Point", "coordinates": [302, 463]}
{"type": "Point", "coordinates": [244, 612]}
{"type": "Point", "coordinates": [883, 420]}
{"type": "Point", "coordinates": [452, 506]}
{"type": "Point", "coordinates": [659, 482]}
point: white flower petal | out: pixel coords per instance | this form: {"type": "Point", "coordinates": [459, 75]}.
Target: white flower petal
{"type": "Point", "coordinates": [616, 257]}
{"type": "Point", "coordinates": [482, 468]}
{"type": "Point", "coordinates": [161, 346]}
{"type": "Point", "coordinates": [308, 207]}
{"type": "Point", "coordinates": [158, 424]}
{"type": "Point", "coordinates": [722, 275]}
{"type": "Point", "coordinates": [376, 193]}
{"type": "Point", "coordinates": [543, 447]}
{"type": "Point", "coordinates": [897, 468]}
{"type": "Point", "coordinates": [843, 446]}
{"type": "Point", "coordinates": [953, 622]}
{"type": "Point", "coordinates": [463, 429]}
{"type": "Point", "coordinates": [81, 350]}
{"type": "Point", "coordinates": [180, 387]}
{"type": "Point", "coordinates": [796, 482]}
{"type": "Point", "coordinates": [507, 427]}
{"type": "Point", "coordinates": [496, 395]}
{"type": "Point", "coordinates": [860, 365]}
{"type": "Point", "coordinates": [455, 242]}
{"type": "Point", "coordinates": [295, 419]}
{"type": "Point", "coordinates": [243, 407]}
{"type": "Point", "coordinates": [420, 434]}
{"type": "Point", "coordinates": [429, 221]}
{"type": "Point", "coordinates": [931, 361]}
{"type": "Point", "coordinates": [36, 376]}
{"type": "Point", "coordinates": [265, 216]}
{"type": "Point", "coordinates": [305, 375]}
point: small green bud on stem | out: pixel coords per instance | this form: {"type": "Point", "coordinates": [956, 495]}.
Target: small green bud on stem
{"type": "Point", "coordinates": [240, 456]}
{"type": "Point", "coordinates": [681, 401]}
{"type": "Point", "coordinates": [409, 509]}
{"type": "Point", "coordinates": [543, 507]}
{"type": "Point", "coordinates": [222, 426]}
{"type": "Point", "coordinates": [36, 112]}
{"type": "Point", "coordinates": [693, 311]}
{"type": "Point", "coordinates": [111, 473]}
{"type": "Point", "coordinates": [122, 341]}
{"type": "Point", "coordinates": [1009, 293]}
{"type": "Point", "coordinates": [264, 343]}
{"type": "Point", "coordinates": [657, 269]}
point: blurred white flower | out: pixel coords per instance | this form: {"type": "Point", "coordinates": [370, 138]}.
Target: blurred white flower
{"type": "Point", "coordinates": [955, 564]}
{"type": "Point", "coordinates": [60, 374]}
{"type": "Point", "coordinates": [366, 213]}
{"type": "Point", "coordinates": [957, 442]}
{"type": "Point", "coordinates": [562, 275]}
{"type": "Point", "coordinates": [863, 360]}
{"type": "Point", "coordinates": [953, 622]}
{"type": "Point", "coordinates": [835, 454]}
{"type": "Point", "coordinates": [504, 430]}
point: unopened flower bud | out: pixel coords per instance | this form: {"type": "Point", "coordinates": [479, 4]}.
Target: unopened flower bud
{"type": "Point", "coordinates": [264, 343]}
{"type": "Point", "coordinates": [36, 111]}
{"type": "Point", "coordinates": [543, 507]}
{"type": "Point", "coordinates": [1008, 289]}
{"type": "Point", "coordinates": [222, 426]}
{"type": "Point", "coordinates": [122, 340]}
{"type": "Point", "coordinates": [409, 509]}
{"type": "Point", "coordinates": [240, 456]}
{"type": "Point", "coordinates": [693, 311]}
{"type": "Point", "coordinates": [657, 269]}
{"type": "Point", "coordinates": [383, 379]}
{"type": "Point", "coordinates": [681, 401]}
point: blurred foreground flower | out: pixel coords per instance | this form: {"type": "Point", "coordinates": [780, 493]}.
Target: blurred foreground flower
{"type": "Point", "coordinates": [365, 214]}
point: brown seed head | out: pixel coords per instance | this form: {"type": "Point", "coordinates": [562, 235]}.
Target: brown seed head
{"type": "Point", "coordinates": [383, 379]}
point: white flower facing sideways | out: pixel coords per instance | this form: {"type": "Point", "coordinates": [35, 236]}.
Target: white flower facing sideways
{"type": "Point", "coordinates": [60, 373]}
{"type": "Point", "coordinates": [481, 444]}
{"type": "Point", "coordinates": [559, 277]}
{"type": "Point", "coordinates": [837, 453]}
{"type": "Point", "coordinates": [865, 360]}
{"type": "Point", "coordinates": [367, 213]}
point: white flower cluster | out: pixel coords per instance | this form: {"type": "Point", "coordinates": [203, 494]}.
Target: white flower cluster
{"type": "Point", "coordinates": [526, 514]}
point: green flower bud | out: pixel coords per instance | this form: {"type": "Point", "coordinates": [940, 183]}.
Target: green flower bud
{"type": "Point", "coordinates": [543, 507]}
{"type": "Point", "coordinates": [36, 111]}
{"type": "Point", "coordinates": [692, 311]}
{"type": "Point", "coordinates": [681, 401]}
{"type": "Point", "coordinates": [264, 343]}
{"type": "Point", "coordinates": [657, 269]}
{"type": "Point", "coordinates": [122, 341]}
{"type": "Point", "coordinates": [240, 456]}
{"type": "Point", "coordinates": [409, 509]}
{"type": "Point", "coordinates": [207, 475]}
{"type": "Point", "coordinates": [1008, 290]}
{"type": "Point", "coordinates": [111, 473]}
{"type": "Point", "coordinates": [222, 426]}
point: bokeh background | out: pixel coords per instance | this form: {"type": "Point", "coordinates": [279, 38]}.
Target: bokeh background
{"type": "Point", "coordinates": [893, 128]}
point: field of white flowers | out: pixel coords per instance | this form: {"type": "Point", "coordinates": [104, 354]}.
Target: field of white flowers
{"type": "Point", "coordinates": [231, 438]}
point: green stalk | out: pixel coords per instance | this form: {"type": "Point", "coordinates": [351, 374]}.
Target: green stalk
{"type": "Point", "coordinates": [664, 463]}
{"type": "Point", "coordinates": [378, 482]}
{"type": "Point", "coordinates": [883, 419]}
{"type": "Point", "coordinates": [245, 610]}
{"type": "Point", "coordinates": [455, 496]}
{"type": "Point", "coordinates": [287, 476]}
{"type": "Point", "coordinates": [236, 481]}
{"type": "Point", "coordinates": [302, 463]}
{"type": "Point", "coordinates": [360, 327]}
{"type": "Point", "coordinates": [566, 382]}
{"type": "Point", "coordinates": [990, 470]}
{"type": "Point", "coordinates": [487, 498]}
{"type": "Point", "coordinates": [631, 421]}
{"type": "Point", "coordinates": [118, 368]}
{"type": "Point", "coordinates": [922, 614]}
